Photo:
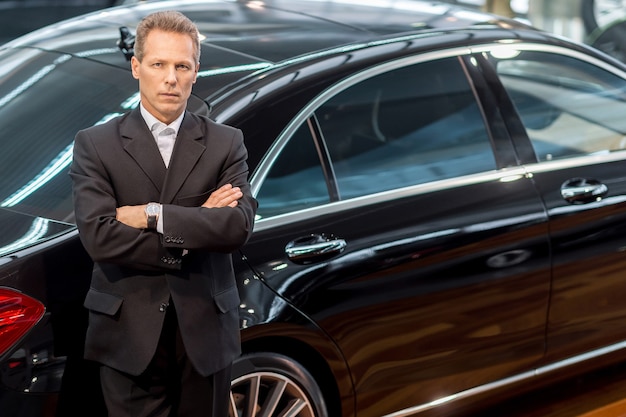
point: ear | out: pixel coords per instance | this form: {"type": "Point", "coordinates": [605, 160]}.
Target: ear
{"type": "Point", "coordinates": [134, 64]}
{"type": "Point", "coordinates": [195, 76]}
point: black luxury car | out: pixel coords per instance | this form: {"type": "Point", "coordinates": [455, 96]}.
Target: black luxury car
{"type": "Point", "coordinates": [442, 195]}
{"type": "Point", "coordinates": [18, 17]}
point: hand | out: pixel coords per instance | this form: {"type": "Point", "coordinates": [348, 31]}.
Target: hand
{"type": "Point", "coordinates": [133, 216]}
{"type": "Point", "coordinates": [225, 196]}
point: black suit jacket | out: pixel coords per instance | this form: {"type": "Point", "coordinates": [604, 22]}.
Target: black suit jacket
{"type": "Point", "coordinates": [137, 271]}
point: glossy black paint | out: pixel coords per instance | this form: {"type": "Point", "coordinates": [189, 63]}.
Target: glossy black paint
{"type": "Point", "coordinates": [422, 292]}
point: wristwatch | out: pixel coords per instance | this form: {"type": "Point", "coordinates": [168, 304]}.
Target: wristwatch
{"type": "Point", "coordinates": [152, 214]}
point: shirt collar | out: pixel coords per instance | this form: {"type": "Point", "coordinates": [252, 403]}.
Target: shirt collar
{"type": "Point", "coordinates": [151, 120]}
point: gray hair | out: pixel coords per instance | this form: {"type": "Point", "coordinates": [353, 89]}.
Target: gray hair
{"type": "Point", "coordinates": [168, 21]}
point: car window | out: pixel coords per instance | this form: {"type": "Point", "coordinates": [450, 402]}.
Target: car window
{"type": "Point", "coordinates": [412, 125]}
{"type": "Point", "coordinates": [296, 180]}
{"type": "Point", "coordinates": [404, 127]}
{"type": "Point", "coordinates": [569, 107]}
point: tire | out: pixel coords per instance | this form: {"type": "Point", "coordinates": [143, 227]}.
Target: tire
{"type": "Point", "coordinates": [272, 385]}
{"type": "Point", "coordinates": [597, 14]}
{"type": "Point", "coordinates": [611, 40]}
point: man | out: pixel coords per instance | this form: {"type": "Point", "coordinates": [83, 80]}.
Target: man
{"type": "Point", "coordinates": [160, 213]}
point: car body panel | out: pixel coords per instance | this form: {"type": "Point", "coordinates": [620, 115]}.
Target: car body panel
{"type": "Point", "coordinates": [417, 275]}
{"type": "Point", "coordinates": [588, 286]}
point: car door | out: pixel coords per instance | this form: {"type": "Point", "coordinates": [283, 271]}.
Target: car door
{"type": "Point", "coordinates": [572, 107]}
{"type": "Point", "coordinates": [386, 217]}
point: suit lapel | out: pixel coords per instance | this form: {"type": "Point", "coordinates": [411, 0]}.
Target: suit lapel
{"type": "Point", "coordinates": [187, 151]}
{"type": "Point", "coordinates": [140, 144]}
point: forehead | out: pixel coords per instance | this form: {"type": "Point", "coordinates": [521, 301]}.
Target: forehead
{"type": "Point", "coordinates": [159, 43]}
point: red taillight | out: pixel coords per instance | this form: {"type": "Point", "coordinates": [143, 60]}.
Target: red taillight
{"type": "Point", "coordinates": [18, 314]}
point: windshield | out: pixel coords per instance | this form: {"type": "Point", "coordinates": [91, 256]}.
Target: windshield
{"type": "Point", "coordinates": [45, 98]}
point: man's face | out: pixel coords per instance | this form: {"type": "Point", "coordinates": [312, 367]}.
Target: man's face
{"type": "Point", "coordinates": [166, 74]}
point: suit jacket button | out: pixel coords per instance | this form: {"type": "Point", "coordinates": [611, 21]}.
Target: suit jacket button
{"type": "Point", "coordinates": [163, 307]}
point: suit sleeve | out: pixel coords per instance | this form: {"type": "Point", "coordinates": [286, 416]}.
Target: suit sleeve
{"type": "Point", "coordinates": [215, 229]}
{"type": "Point", "coordinates": [105, 238]}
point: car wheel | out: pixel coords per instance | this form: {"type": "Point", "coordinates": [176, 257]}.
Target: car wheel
{"type": "Point", "coordinates": [601, 13]}
{"type": "Point", "coordinates": [611, 40]}
{"type": "Point", "coordinates": [272, 385]}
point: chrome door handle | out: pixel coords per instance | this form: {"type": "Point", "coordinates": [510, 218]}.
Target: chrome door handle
{"type": "Point", "coordinates": [582, 190]}
{"type": "Point", "coordinates": [314, 248]}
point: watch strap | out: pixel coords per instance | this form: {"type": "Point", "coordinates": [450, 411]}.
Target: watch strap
{"type": "Point", "coordinates": [152, 210]}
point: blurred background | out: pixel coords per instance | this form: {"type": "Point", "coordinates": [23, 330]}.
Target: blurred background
{"type": "Point", "coordinates": [600, 23]}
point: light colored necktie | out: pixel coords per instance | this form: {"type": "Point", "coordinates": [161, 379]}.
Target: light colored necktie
{"type": "Point", "coordinates": [165, 138]}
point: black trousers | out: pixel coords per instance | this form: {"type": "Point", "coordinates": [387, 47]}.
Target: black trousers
{"type": "Point", "coordinates": [169, 387]}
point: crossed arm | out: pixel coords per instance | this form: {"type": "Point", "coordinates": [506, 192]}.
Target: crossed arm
{"type": "Point", "coordinates": [135, 216]}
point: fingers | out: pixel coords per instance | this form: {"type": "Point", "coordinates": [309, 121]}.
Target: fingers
{"type": "Point", "coordinates": [225, 196]}
{"type": "Point", "coordinates": [133, 216]}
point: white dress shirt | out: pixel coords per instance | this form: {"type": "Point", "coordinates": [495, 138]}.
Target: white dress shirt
{"type": "Point", "coordinates": [165, 137]}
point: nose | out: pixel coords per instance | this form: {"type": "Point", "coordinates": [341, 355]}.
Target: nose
{"type": "Point", "coordinates": [170, 76]}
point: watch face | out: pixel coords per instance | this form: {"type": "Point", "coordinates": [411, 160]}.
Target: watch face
{"type": "Point", "coordinates": [152, 209]}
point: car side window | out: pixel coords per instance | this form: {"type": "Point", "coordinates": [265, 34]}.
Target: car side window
{"type": "Point", "coordinates": [569, 107]}
{"type": "Point", "coordinates": [411, 125]}
{"type": "Point", "coordinates": [295, 180]}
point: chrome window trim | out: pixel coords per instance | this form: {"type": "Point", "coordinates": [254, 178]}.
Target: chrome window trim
{"type": "Point", "coordinates": [307, 111]}
{"type": "Point", "coordinates": [502, 175]}
{"type": "Point", "coordinates": [571, 161]}
{"type": "Point", "coordinates": [510, 380]}
{"type": "Point", "coordinates": [268, 160]}
{"type": "Point", "coordinates": [540, 47]}
{"type": "Point", "coordinates": [577, 161]}
{"type": "Point", "coordinates": [265, 164]}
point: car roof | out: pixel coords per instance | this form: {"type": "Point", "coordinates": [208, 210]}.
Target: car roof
{"type": "Point", "coordinates": [241, 37]}
{"type": "Point", "coordinates": [259, 31]}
